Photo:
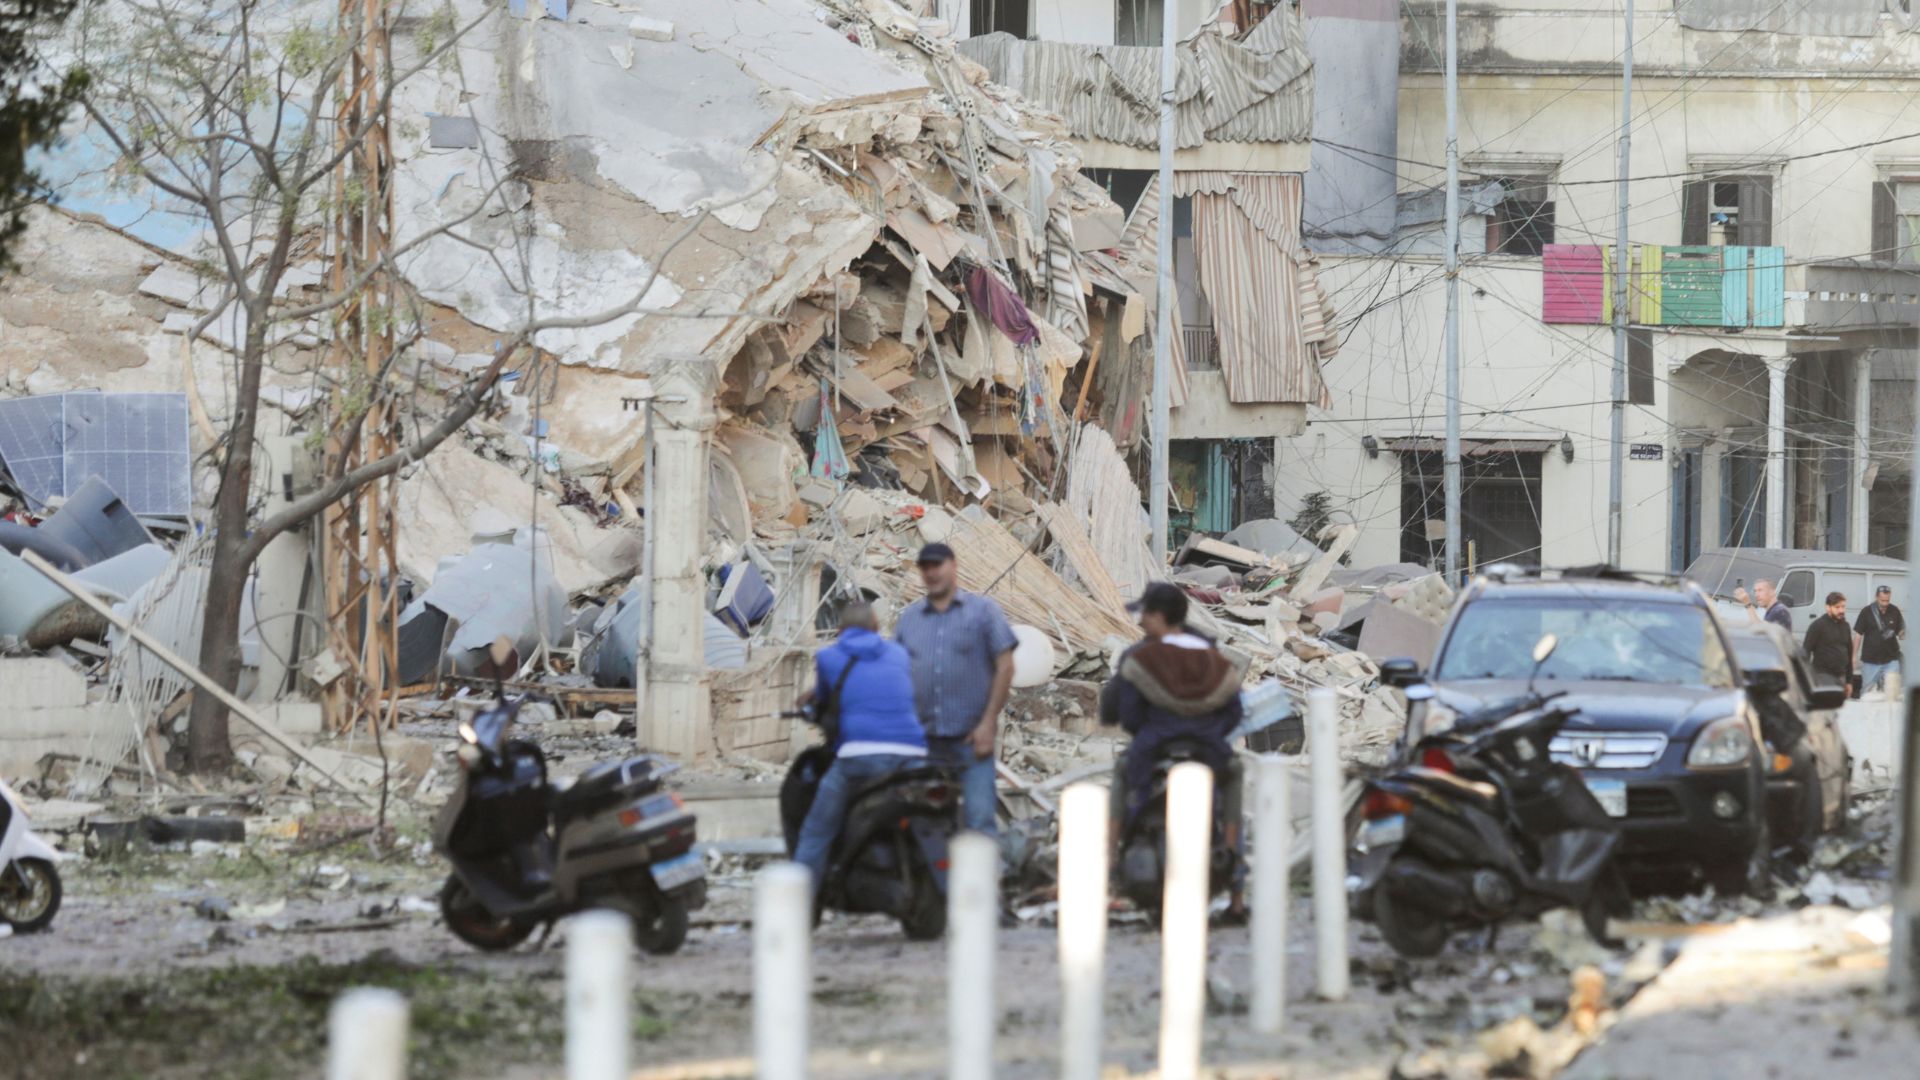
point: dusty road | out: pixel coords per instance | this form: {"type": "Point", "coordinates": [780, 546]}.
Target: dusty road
{"type": "Point", "coordinates": [142, 977]}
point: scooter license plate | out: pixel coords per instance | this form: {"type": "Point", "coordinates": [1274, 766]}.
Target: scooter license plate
{"type": "Point", "coordinates": [1611, 794]}
{"type": "Point", "coordinates": [1383, 832]}
{"type": "Point", "coordinates": [684, 870]}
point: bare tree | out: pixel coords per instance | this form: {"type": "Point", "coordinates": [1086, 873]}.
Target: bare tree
{"type": "Point", "coordinates": [238, 114]}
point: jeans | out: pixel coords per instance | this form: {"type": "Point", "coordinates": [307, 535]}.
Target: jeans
{"type": "Point", "coordinates": [979, 799]}
{"type": "Point", "coordinates": [829, 810]}
{"type": "Point", "coordinates": [1873, 676]}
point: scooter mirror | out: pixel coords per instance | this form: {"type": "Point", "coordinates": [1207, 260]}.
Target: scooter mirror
{"type": "Point", "coordinates": [1544, 647]}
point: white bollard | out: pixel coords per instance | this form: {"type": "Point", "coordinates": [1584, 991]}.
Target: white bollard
{"type": "Point", "coordinates": [367, 1036]}
{"type": "Point", "coordinates": [1183, 919]}
{"type": "Point", "coordinates": [1273, 845]}
{"type": "Point", "coordinates": [973, 927]}
{"type": "Point", "coordinates": [782, 970]}
{"type": "Point", "coordinates": [599, 945]}
{"type": "Point", "coordinates": [1084, 817]}
{"type": "Point", "coordinates": [1329, 845]}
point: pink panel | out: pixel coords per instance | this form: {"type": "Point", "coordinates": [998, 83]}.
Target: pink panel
{"type": "Point", "coordinates": [1573, 283]}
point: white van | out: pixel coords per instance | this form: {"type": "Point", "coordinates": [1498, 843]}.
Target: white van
{"type": "Point", "coordinates": [1804, 578]}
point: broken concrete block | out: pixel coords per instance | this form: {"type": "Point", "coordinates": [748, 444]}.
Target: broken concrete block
{"type": "Point", "coordinates": [861, 513]}
{"type": "Point", "coordinates": [1326, 600]}
{"type": "Point", "coordinates": [817, 493]}
{"type": "Point", "coordinates": [40, 682]}
{"type": "Point", "coordinates": [935, 526]}
{"type": "Point", "coordinates": [650, 29]}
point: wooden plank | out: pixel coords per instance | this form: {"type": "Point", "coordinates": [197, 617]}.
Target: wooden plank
{"type": "Point", "coordinates": [1070, 533]}
{"type": "Point", "coordinates": [993, 563]}
{"type": "Point", "coordinates": [1573, 283]}
{"type": "Point", "coordinates": [1733, 286]}
{"type": "Point", "coordinates": [1769, 286]}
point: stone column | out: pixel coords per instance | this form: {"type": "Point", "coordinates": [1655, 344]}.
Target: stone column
{"type": "Point", "coordinates": [1777, 367]}
{"type": "Point", "coordinates": [1862, 447]}
{"type": "Point", "coordinates": [673, 695]}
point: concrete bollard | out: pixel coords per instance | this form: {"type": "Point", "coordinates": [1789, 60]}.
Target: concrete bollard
{"type": "Point", "coordinates": [1183, 920]}
{"type": "Point", "coordinates": [1084, 814]}
{"type": "Point", "coordinates": [973, 929]}
{"type": "Point", "coordinates": [599, 950]}
{"type": "Point", "coordinates": [1272, 847]}
{"type": "Point", "coordinates": [782, 970]}
{"type": "Point", "coordinates": [367, 1036]}
{"type": "Point", "coordinates": [1329, 846]}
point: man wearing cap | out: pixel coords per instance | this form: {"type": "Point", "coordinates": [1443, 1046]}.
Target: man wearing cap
{"type": "Point", "coordinates": [1829, 645]}
{"type": "Point", "coordinates": [962, 653]}
{"type": "Point", "coordinates": [1877, 635]}
{"type": "Point", "coordinates": [1174, 684]}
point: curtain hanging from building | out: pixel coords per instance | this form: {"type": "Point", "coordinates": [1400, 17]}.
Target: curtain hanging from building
{"type": "Point", "coordinates": [1272, 320]}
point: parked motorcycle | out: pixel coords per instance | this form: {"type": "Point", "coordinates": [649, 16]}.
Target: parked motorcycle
{"type": "Point", "coordinates": [891, 856]}
{"type": "Point", "coordinates": [1143, 845]}
{"type": "Point", "coordinates": [526, 855]}
{"type": "Point", "coordinates": [29, 881]}
{"type": "Point", "coordinates": [1480, 825]}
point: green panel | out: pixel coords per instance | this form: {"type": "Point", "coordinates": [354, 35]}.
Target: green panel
{"type": "Point", "coordinates": [1690, 286]}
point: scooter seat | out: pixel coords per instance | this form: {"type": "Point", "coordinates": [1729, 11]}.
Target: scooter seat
{"type": "Point", "coordinates": [605, 783]}
{"type": "Point", "coordinates": [1477, 790]}
{"type": "Point", "coordinates": [902, 776]}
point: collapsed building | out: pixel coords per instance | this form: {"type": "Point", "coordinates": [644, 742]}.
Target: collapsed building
{"type": "Point", "coordinates": [880, 304]}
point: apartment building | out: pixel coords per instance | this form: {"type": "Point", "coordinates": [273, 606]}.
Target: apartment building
{"type": "Point", "coordinates": [1773, 223]}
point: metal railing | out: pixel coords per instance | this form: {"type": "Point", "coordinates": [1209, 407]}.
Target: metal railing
{"type": "Point", "coordinates": [1202, 348]}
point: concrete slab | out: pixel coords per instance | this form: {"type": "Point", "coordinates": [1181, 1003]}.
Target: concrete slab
{"type": "Point", "coordinates": [1871, 729]}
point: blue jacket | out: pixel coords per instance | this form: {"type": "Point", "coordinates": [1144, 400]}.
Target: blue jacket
{"type": "Point", "coordinates": [876, 704]}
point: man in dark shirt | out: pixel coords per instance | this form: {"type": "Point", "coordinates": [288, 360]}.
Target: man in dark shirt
{"type": "Point", "coordinates": [1829, 642]}
{"type": "Point", "coordinates": [1877, 635]}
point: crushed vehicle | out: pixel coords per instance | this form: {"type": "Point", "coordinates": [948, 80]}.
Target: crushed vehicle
{"type": "Point", "coordinates": [1809, 772]}
{"type": "Point", "coordinates": [1666, 734]}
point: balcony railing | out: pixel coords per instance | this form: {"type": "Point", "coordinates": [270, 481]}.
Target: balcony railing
{"type": "Point", "coordinates": [1202, 348]}
{"type": "Point", "coordinates": [1854, 295]}
{"type": "Point", "coordinates": [1667, 286]}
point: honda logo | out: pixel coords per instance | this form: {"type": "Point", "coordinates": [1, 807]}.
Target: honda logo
{"type": "Point", "coordinates": [1589, 751]}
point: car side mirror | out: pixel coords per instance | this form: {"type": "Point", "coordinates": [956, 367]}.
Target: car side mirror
{"type": "Point", "coordinates": [1400, 673]}
{"type": "Point", "coordinates": [1828, 697]}
{"type": "Point", "coordinates": [1767, 682]}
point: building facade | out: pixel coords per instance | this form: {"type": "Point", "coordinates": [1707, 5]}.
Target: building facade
{"type": "Point", "coordinates": [1774, 203]}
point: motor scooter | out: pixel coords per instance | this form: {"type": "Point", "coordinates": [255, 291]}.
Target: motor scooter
{"type": "Point", "coordinates": [525, 854]}
{"type": "Point", "coordinates": [891, 855]}
{"type": "Point", "coordinates": [29, 880]}
{"type": "Point", "coordinates": [1479, 824]}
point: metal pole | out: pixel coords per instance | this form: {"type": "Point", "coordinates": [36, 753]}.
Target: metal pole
{"type": "Point", "coordinates": [367, 1036]}
{"type": "Point", "coordinates": [1616, 464]}
{"type": "Point", "coordinates": [1453, 293]}
{"type": "Point", "coordinates": [1273, 843]}
{"type": "Point", "coordinates": [782, 970]}
{"type": "Point", "coordinates": [1083, 929]}
{"type": "Point", "coordinates": [1183, 922]}
{"type": "Point", "coordinates": [1329, 844]}
{"type": "Point", "coordinates": [1163, 336]}
{"type": "Point", "coordinates": [973, 925]}
{"type": "Point", "coordinates": [1903, 965]}
{"type": "Point", "coordinates": [598, 1027]}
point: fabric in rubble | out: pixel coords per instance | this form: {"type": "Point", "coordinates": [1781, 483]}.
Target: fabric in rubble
{"type": "Point", "coordinates": [1001, 305]}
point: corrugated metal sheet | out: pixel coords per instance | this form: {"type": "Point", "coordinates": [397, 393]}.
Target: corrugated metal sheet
{"type": "Point", "coordinates": [1261, 285]}
{"type": "Point", "coordinates": [1573, 283]}
{"type": "Point", "coordinates": [1259, 89]}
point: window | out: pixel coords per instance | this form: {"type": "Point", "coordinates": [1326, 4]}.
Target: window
{"type": "Point", "coordinates": [1522, 223]}
{"type": "Point", "coordinates": [1796, 589]}
{"type": "Point", "coordinates": [1004, 16]}
{"type": "Point", "coordinates": [1136, 22]}
{"type": "Point", "coordinates": [1499, 508]}
{"type": "Point", "coordinates": [1732, 210]}
{"type": "Point", "coordinates": [1639, 366]}
{"type": "Point", "coordinates": [1896, 220]}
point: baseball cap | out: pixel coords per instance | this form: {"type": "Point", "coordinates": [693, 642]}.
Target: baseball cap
{"type": "Point", "coordinates": [934, 553]}
{"type": "Point", "coordinates": [1163, 599]}
{"type": "Point", "coordinates": [1884, 590]}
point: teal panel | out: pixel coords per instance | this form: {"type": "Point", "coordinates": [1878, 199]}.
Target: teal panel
{"type": "Point", "coordinates": [1690, 287]}
{"type": "Point", "coordinates": [1733, 286]}
{"type": "Point", "coordinates": [1769, 286]}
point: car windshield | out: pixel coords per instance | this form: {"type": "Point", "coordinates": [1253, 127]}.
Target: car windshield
{"type": "Point", "coordinates": [1603, 638]}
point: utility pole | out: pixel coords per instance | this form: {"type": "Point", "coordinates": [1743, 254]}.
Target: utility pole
{"type": "Point", "coordinates": [1453, 293]}
{"type": "Point", "coordinates": [1163, 336]}
{"type": "Point", "coordinates": [1903, 965]}
{"type": "Point", "coordinates": [1616, 463]}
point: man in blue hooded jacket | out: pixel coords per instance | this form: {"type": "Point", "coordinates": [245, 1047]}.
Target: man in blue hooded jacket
{"type": "Point", "coordinates": [879, 732]}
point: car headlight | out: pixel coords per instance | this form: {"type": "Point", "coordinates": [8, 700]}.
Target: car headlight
{"type": "Point", "coordinates": [1720, 744]}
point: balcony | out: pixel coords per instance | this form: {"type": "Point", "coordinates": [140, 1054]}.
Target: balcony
{"type": "Point", "coordinates": [1727, 287]}
{"type": "Point", "coordinates": [1849, 294]}
{"type": "Point", "coordinates": [1202, 348]}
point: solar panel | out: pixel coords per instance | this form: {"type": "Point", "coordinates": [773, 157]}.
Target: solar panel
{"type": "Point", "coordinates": [137, 443]}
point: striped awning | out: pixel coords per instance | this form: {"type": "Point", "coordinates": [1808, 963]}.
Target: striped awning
{"type": "Point", "coordinates": [1423, 444]}
{"type": "Point", "coordinates": [1273, 321]}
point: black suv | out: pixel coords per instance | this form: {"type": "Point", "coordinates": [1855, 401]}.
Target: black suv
{"type": "Point", "coordinates": [1665, 736]}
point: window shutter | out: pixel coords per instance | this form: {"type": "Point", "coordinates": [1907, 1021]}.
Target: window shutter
{"type": "Point", "coordinates": [1886, 230]}
{"type": "Point", "coordinates": [1639, 366]}
{"type": "Point", "coordinates": [1693, 212]}
{"type": "Point", "coordinates": [1756, 211]}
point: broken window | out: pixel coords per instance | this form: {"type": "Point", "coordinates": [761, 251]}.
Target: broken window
{"type": "Point", "coordinates": [1000, 16]}
{"type": "Point", "coordinates": [1522, 223]}
{"type": "Point", "coordinates": [1499, 507]}
{"type": "Point", "coordinates": [1123, 186]}
{"type": "Point", "coordinates": [1896, 220]}
{"type": "Point", "coordinates": [1136, 22]}
{"type": "Point", "coordinates": [1722, 211]}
